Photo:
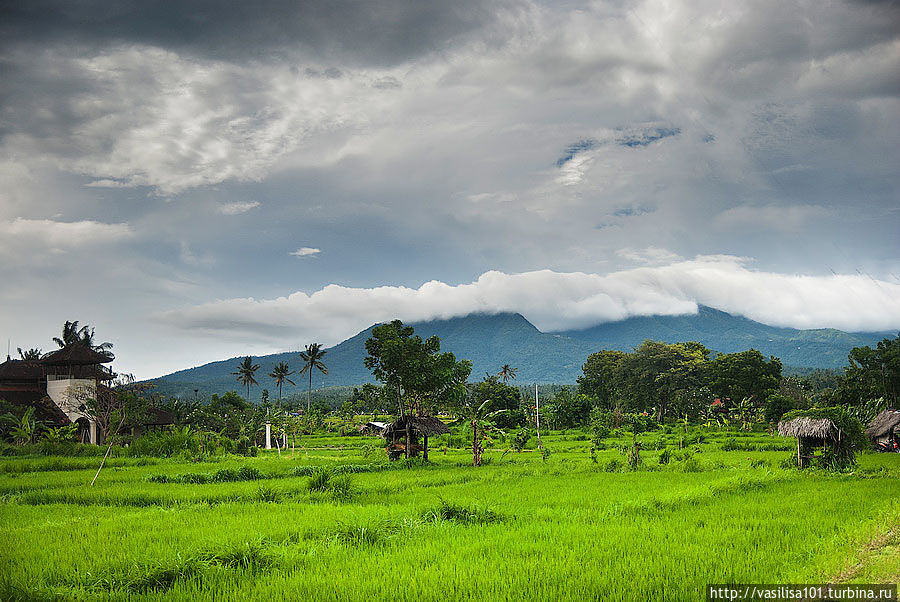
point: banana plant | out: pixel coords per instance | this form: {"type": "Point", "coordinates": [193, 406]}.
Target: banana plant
{"type": "Point", "coordinates": [24, 429]}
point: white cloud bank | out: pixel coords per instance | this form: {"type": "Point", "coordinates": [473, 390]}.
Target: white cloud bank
{"type": "Point", "coordinates": [557, 301]}
{"type": "Point", "coordinates": [54, 234]}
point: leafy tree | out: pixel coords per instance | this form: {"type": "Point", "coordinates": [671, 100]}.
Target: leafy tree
{"type": "Point", "coordinates": [112, 407]}
{"type": "Point", "coordinates": [598, 379]}
{"type": "Point", "coordinates": [312, 360]}
{"type": "Point", "coordinates": [282, 373]}
{"type": "Point", "coordinates": [653, 376]}
{"type": "Point", "coordinates": [500, 396]}
{"type": "Point", "coordinates": [777, 405]}
{"type": "Point", "coordinates": [507, 373]}
{"type": "Point", "coordinates": [743, 375]}
{"type": "Point", "coordinates": [72, 333]}
{"type": "Point", "coordinates": [246, 372]}
{"type": "Point", "coordinates": [568, 409]}
{"type": "Point", "coordinates": [30, 354]}
{"type": "Point", "coordinates": [421, 377]}
{"type": "Point", "coordinates": [873, 373]}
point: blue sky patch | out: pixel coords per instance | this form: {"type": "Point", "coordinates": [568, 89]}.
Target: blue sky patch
{"type": "Point", "coordinates": [581, 146]}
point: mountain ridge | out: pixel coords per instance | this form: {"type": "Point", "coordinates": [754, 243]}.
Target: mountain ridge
{"type": "Point", "coordinates": [491, 340]}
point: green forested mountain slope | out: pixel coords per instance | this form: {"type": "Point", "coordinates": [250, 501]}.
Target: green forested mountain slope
{"type": "Point", "coordinates": [491, 340]}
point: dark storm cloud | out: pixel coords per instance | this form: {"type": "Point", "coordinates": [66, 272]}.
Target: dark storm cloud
{"type": "Point", "coordinates": [375, 32]}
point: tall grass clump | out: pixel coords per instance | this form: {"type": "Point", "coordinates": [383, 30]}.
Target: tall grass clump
{"type": "Point", "coordinates": [464, 515]}
{"type": "Point", "coordinates": [325, 481]}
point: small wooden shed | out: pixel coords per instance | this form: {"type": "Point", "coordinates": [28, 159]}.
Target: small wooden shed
{"type": "Point", "coordinates": [403, 435]}
{"type": "Point", "coordinates": [832, 429]}
{"type": "Point", "coordinates": [810, 433]}
{"type": "Point", "coordinates": [884, 430]}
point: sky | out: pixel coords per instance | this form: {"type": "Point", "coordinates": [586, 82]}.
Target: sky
{"type": "Point", "coordinates": [200, 180]}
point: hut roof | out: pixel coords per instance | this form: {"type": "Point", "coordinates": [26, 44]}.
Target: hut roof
{"type": "Point", "coordinates": [427, 425]}
{"type": "Point", "coordinates": [883, 424]}
{"type": "Point", "coordinates": [818, 428]}
{"type": "Point", "coordinates": [20, 370]}
{"type": "Point", "coordinates": [75, 354]}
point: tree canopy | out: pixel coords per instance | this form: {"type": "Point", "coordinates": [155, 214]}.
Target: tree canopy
{"type": "Point", "coordinates": [422, 377]}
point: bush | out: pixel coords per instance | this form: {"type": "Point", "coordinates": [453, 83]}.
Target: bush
{"type": "Point", "coordinates": [665, 456]}
{"type": "Point", "coordinates": [166, 444]}
{"type": "Point", "coordinates": [520, 439]}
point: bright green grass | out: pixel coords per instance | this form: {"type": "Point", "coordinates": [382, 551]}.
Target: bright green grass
{"type": "Point", "coordinates": [567, 530]}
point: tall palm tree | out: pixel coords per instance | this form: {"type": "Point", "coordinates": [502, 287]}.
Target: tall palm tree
{"type": "Point", "coordinates": [312, 358]}
{"type": "Point", "coordinates": [71, 333]}
{"type": "Point", "coordinates": [280, 373]}
{"type": "Point", "coordinates": [246, 373]}
{"type": "Point", "coordinates": [507, 372]}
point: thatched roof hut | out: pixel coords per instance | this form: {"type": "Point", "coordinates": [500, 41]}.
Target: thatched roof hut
{"type": "Point", "coordinates": [809, 428]}
{"type": "Point", "coordinates": [831, 429]}
{"type": "Point", "coordinates": [403, 434]}
{"type": "Point", "coordinates": [885, 427]}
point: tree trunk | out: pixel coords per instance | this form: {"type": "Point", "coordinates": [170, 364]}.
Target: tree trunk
{"type": "Point", "coordinates": [476, 457]}
{"type": "Point", "coordinates": [425, 448]}
{"type": "Point", "coordinates": [309, 390]}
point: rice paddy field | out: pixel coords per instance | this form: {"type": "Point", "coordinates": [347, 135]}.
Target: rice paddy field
{"type": "Point", "coordinates": [333, 520]}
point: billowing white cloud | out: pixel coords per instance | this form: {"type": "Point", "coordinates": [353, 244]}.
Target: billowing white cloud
{"type": "Point", "coordinates": [305, 252]}
{"type": "Point", "coordinates": [238, 207]}
{"type": "Point", "coordinates": [558, 301]}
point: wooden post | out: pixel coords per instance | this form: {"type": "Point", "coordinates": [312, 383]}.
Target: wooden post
{"type": "Point", "coordinates": [425, 447]}
{"type": "Point", "coordinates": [406, 451]}
{"type": "Point", "coordinates": [799, 457]}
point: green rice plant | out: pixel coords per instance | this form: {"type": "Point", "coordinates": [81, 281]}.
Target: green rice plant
{"type": "Point", "coordinates": [265, 493]}
{"type": "Point", "coordinates": [341, 488]}
{"type": "Point", "coordinates": [460, 514]}
{"type": "Point", "coordinates": [320, 480]}
{"type": "Point", "coordinates": [614, 465]}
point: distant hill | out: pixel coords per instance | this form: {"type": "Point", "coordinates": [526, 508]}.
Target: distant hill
{"type": "Point", "coordinates": [491, 340]}
{"type": "Point", "coordinates": [725, 333]}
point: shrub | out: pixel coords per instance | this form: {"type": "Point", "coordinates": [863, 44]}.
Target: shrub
{"type": "Point", "coordinates": [665, 456]}
{"type": "Point", "coordinates": [520, 439]}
